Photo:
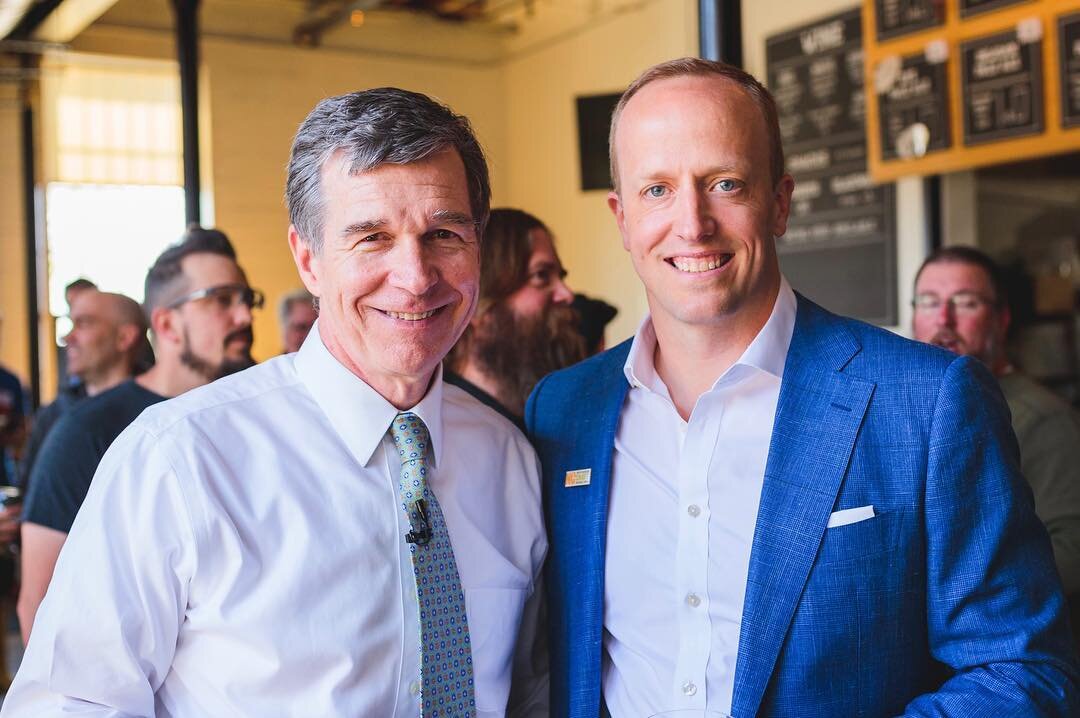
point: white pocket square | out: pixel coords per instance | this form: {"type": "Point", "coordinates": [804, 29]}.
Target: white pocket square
{"type": "Point", "coordinates": [850, 516]}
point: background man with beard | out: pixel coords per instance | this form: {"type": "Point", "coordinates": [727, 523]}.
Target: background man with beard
{"type": "Point", "coordinates": [107, 338]}
{"type": "Point", "coordinates": [199, 305]}
{"type": "Point", "coordinates": [524, 327]}
{"type": "Point", "coordinates": [961, 305]}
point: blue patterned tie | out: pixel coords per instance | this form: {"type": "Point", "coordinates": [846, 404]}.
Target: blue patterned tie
{"type": "Point", "coordinates": [446, 686]}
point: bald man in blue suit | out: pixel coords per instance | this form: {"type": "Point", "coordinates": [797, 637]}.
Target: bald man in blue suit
{"type": "Point", "coordinates": [759, 508]}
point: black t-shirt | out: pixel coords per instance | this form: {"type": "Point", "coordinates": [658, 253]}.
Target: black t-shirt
{"type": "Point", "coordinates": [71, 453]}
{"type": "Point", "coordinates": [477, 393]}
{"type": "Point", "coordinates": [44, 421]}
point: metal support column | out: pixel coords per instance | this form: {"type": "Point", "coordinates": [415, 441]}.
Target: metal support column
{"type": "Point", "coordinates": [30, 216]}
{"type": "Point", "coordinates": [187, 46]}
{"type": "Point", "coordinates": [720, 30]}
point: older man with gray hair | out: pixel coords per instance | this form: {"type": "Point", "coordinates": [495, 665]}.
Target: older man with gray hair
{"type": "Point", "coordinates": [334, 532]}
{"type": "Point", "coordinates": [296, 316]}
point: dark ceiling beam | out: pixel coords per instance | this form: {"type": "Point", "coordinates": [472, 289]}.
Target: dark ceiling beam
{"type": "Point", "coordinates": [321, 16]}
{"type": "Point", "coordinates": [34, 16]}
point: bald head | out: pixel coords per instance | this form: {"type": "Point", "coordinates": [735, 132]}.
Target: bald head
{"type": "Point", "coordinates": [108, 333]}
{"type": "Point", "coordinates": [694, 67]}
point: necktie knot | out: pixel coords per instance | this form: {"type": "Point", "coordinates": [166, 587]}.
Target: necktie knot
{"type": "Point", "coordinates": [411, 437]}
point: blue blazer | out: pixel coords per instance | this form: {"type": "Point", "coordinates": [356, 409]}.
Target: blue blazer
{"type": "Point", "coordinates": [946, 603]}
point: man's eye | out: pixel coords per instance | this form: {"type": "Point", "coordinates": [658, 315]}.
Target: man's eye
{"type": "Point", "coordinates": [656, 191]}
{"type": "Point", "coordinates": [726, 185]}
{"type": "Point", "coordinates": [224, 300]}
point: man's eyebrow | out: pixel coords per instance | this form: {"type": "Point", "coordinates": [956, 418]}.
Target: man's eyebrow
{"type": "Point", "coordinates": [367, 225]}
{"type": "Point", "coordinates": [548, 266]}
{"type": "Point", "coordinates": [452, 216]}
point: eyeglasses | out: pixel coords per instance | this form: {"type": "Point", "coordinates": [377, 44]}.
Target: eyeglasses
{"type": "Point", "coordinates": [961, 303]}
{"type": "Point", "coordinates": [226, 296]}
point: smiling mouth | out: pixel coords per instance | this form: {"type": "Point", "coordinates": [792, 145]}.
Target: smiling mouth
{"type": "Point", "coordinates": [410, 316]}
{"type": "Point", "coordinates": [696, 265]}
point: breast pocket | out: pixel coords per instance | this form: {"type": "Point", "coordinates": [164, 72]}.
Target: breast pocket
{"type": "Point", "coordinates": [861, 539]}
{"type": "Point", "coordinates": [494, 618]}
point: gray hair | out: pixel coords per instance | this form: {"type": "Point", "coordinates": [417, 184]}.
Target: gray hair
{"type": "Point", "coordinates": [296, 296]}
{"type": "Point", "coordinates": [374, 127]}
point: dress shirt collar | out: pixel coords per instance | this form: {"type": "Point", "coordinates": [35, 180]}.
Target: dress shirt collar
{"type": "Point", "coordinates": [360, 414]}
{"type": "Point", "coordinates": [767, 352]}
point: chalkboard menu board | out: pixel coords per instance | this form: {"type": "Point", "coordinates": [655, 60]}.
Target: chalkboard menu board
{"type": "Point", "coordinates": [900, 17]}
{"type": "Point", "coordinates": [974, 7]}
{"type": "Point", "coordinates": [1002, 88]}
{"type": "Point", "coordinates": [917, 93]}
{"type": "Point", "coordinates": [840, 245]}
{"type": "Point", "coordinates": [1069, 40]}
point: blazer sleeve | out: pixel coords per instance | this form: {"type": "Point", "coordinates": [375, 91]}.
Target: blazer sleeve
{"type": "Point", "coordinates": [995, 610]}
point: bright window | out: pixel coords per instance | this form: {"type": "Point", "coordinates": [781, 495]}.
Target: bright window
{"type": "Point", "coordinates": [113, 165]}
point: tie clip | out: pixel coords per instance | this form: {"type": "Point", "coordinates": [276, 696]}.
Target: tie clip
{"type": "Point", "coordinates": [421, 527]}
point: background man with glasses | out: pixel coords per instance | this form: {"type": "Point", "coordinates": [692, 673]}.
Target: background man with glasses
{"type": "Point", "coordinates": [961, 305]}
{"type": "Point", "coordinates": [199, 305]}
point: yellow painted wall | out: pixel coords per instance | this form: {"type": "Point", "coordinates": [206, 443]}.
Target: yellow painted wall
{"type": "Point", "coordinates": [543, 175]}
{"type": "Point", "coordinates": [14, 334]}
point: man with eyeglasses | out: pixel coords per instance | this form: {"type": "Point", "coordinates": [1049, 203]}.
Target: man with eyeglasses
{"type": "Point", "coordinates": [960, 304]}
{"type": "Point", "coordinates": [198, 304]}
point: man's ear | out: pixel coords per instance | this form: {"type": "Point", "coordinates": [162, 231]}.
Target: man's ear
{"type": "Point", "coordinates": [126, 337]}
{"type": "Point", "coordinates": [784, 188]}
{"type": "Point", "coordinates": [614, 203]}
{"type": "Point", "coordinates": [166, 327]}
{"type": "Point", "coordinates": [307, 263]}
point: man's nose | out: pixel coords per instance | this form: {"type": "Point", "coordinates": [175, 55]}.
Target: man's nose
{"type": "Point", "coordinates": [241, 313]}
{"type": "Point", "coordinates": [693, 222]}
{"type": "Point", "coordinates": [413, 269]}
{"type": "Point", "coordinates": [562, 293]}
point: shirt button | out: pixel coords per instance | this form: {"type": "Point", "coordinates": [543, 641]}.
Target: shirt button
{"type": "Point", "coordinates": [693, 600]}
{"type": "Point", "coordinates": [414, 688]}
{"type": "Point", "coordinates": [689, 688]}
{"type": "Point", "coordinates": [694, 510]}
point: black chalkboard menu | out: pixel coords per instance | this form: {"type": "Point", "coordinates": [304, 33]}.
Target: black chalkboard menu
{"type": "Point", "coordinates": [900, 17]}
{"type": "Point", "coordinates": [1002, 88]}
{"type": "Point", "coordinates": [974, 7]}
{"type": "Point", "coordinates": [917, 93]}
{"type": "Point", "coordinates": [840, 245]}
{"type": "Point", "coordinates": [1069, 41]}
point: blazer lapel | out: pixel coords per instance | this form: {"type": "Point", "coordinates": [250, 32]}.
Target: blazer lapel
{"type": "Point", "coordinates": [579, 530]}
{"type": "Point", "coordinates": [817, 420]}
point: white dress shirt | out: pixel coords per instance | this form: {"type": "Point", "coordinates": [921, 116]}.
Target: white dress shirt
{"type": "Point", "coordinates": [241, 553]}
{"type": "Point", "coordinates": [684, 503]}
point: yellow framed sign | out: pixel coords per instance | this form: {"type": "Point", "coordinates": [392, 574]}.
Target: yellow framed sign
{"type": "Point", "coordinates": [982, 82]}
